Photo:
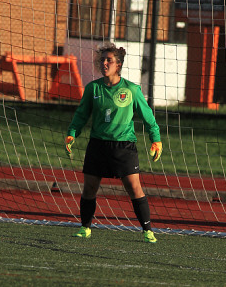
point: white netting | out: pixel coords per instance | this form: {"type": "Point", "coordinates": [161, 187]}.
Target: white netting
{"type": "Point", "coordinates": [47, 51]}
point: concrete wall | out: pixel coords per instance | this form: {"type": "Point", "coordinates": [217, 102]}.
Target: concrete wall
{"type": "Point", "coordinates": [170, 67]}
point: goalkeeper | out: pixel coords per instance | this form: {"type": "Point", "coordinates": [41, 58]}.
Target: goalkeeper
{"type": "Point", "coordinates": [111, 151]}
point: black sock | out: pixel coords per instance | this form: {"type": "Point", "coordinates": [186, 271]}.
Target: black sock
{"type": "Point", "coordinates": [87, 210]}
{"type": "Point", "coordinates": [142, 211]}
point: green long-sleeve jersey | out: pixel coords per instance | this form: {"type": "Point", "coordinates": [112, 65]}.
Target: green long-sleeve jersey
{"type": "Point", "coordinates": [112, 110]}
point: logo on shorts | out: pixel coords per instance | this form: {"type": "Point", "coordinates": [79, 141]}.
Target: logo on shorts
{"type": "Point", "coordinates": [123, 97]}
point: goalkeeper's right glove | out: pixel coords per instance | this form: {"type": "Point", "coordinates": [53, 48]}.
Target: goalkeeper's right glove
{"type": "Point", "coordinates": [69, 141]}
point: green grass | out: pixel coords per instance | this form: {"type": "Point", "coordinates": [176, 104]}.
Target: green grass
{"type": "Point", "coordinates": [193, 142]}
{"type": "Point", "coordinates": [33, 255]}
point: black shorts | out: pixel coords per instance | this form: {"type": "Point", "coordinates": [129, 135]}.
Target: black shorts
{"type": "Point", "coordinates": [111, 159]}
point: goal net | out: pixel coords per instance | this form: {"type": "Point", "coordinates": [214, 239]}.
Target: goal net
{"type": "Point", "coordinates": [175, 51]}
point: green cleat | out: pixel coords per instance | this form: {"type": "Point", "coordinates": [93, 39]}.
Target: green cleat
{"type": "Point", "coordinates": [84, 232]}
{"type": "Point", "coordinates": [149, 236]}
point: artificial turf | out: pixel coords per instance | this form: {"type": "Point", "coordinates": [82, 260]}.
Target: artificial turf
{"type": "Point", "coordinates": [34, 255]}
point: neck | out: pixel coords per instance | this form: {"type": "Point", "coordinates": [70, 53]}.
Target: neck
{"type": "Point", "coordinates": [112, 81]}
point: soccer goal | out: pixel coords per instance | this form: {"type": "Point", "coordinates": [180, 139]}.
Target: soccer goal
{"type": "Point", "coordinates": [175, 51]}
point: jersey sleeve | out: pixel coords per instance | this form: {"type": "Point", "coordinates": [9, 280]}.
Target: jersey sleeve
{"type": "Point", "coordinates": [146, 114]}
{"type": "Point", "coordinates": [82, 113]}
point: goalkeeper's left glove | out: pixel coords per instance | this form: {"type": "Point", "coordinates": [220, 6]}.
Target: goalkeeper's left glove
{"type": "Point", "coordinates": [69, 141]}
{"type": "Point", "coordinates": [156, 151]}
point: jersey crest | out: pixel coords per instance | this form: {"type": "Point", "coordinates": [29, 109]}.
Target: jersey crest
{"type": "Point", "coordinates": [123, 97]}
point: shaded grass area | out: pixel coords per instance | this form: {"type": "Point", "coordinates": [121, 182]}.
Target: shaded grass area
{"type": "Point", "coordinates": [194, 142]}
{"type": "Point", "coordinates": [33, 255]}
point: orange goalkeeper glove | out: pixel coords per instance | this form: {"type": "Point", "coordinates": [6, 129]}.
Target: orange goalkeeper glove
{"type": "Point", "coordinates": [156, 151]}
{"type": "Point", "coordinates": [69, 141]}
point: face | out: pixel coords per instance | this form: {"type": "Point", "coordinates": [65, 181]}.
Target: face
{"type": "Point", "coordinates": [108, 65]}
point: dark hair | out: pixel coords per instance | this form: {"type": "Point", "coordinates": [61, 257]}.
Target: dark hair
{"type": "Point", "coordinates": [119, 54]}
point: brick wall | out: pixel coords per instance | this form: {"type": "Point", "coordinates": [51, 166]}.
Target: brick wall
{"type": "Point", "coordinates": [32, 28]}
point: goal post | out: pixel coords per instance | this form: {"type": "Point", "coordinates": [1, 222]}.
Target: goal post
{"type": "Point", "coordinates": [47, 57]}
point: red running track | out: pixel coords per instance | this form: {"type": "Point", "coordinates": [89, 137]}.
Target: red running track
{"type": "Point", "coordinates": [165, 212]}
{"type": "Point", "coordinates": [148, 180]}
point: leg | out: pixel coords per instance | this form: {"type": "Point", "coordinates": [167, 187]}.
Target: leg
{"type": "Point", "coordinates": [139, 200]}
{"type": "Point", "coordinates": [88, 204]}
{"type": "Point", "coordinates": [88, 199]}
{"type": "Point", "coordinates": [140, 205]}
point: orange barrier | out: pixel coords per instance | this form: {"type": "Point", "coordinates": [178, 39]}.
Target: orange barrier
{"type": "Point", "coordinates": [67, 83]}
{"type": "Point", "coordinates": [8, 63]}
{"type": "Point", "coordinates": [201, 67]}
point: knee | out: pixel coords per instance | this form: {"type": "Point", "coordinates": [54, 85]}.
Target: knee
{"type": "Point", "coordinates": [134, 190]}
{"type": "Point", "coordinates": [89, 192]}
{"type": "Point", "coordinates": [90, 189]}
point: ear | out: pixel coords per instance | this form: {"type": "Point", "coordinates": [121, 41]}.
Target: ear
{"type": "Point", "coordinates": [119, 66]}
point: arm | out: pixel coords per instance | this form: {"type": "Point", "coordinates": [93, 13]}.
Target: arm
{"type": "Point", "coordinates": [79, 120]}
{"type": "Point", "coordinates": [152, 128]}
{"type": "Point", "coordinates": [82, 113]}
{"type": "Point", "coordinates": [146, 114]}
